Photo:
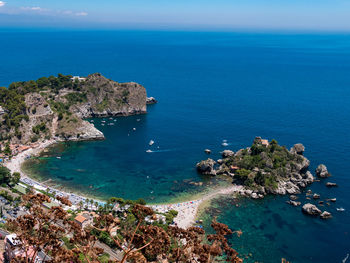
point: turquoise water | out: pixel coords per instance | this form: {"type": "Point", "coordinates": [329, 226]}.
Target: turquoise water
{"type": "Point", "coordinates": [210, 87]}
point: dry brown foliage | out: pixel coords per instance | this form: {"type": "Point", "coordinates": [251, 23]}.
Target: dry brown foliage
{"type": "Point", "coordinates": [43, 230]}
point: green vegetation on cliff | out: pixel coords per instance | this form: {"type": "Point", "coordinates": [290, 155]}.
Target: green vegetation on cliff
{"type": "Point", "coordinates": [265, 166]}
{"type": "Point", "coordinates": [61, 103]}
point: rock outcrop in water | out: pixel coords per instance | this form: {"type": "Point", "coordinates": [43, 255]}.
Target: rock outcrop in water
{"type": "Point", "coordinates": [151, 100]}
{"type": "Point", "coordinates": [311, 209]}
{"type": "Point", "coordinates": [206, 167]}
{"type": "Point", "coordinates": [322, 171]}
{"type": "Point", "coordinates": [264, 168]}
{"type": "Point", "coordinates": [55, 107]}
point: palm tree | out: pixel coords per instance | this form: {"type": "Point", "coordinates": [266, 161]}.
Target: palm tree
{"type": "Point", "coordinates": [87, 201]}
{"type": "Point", "coordinates": [91, 203]}
{"type": "Point", "coordinates": [81, 204]}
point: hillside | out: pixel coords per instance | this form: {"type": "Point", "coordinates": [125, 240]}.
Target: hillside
{"type": "Point", "coordinates": [55, 107]}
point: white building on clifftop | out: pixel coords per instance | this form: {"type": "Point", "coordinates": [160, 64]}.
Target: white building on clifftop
{"type": "Point", "coordinates": [77, 78]}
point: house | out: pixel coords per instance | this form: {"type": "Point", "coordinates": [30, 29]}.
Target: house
{"type": "Point", "coordinates": [259, 141]}
{"type": "Point", "coordinates": [13, 249]}
{"type": "Point", "coordinates": [265, 142]}
{"type": "Point", "coordinates": [82, 221]}
{"type": "Point", "coordinates": [77, 78]}
{"type": "Point", "coordinates": [234, 168]}
{"type": "Point", "coordinates": [2, 111]}
{"type": "Point", "coordinates": [155, 218]}
{"type": "Point", "coordinates": [85, 219]}
{"type": "Point", "coordinates": [23, 148]}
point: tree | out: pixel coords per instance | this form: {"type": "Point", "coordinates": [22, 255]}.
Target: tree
{"type": "Point", "coordinates": [42, 230]}
{"type": "Point", "coordinates": [5, 175]}
{"type": "Point", "coordinates": [16, 176]}
{"type": "Point", "coordinates": [147, 243]}
{"type": "Point", "coordinates": [7, 149]}
{"type": "Point", "coordinates": [81, 205]}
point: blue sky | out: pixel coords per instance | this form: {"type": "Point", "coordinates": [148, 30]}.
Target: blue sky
{"type": "Point", "coordinates": [218, 14]}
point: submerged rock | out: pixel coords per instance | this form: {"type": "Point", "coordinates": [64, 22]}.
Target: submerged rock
{"type": "Point", "coordinates": [207, 151]}
{"type": "Point", "coordinates": [311, 209]}
{"type": "Point", "coordinates": [293, 197]}
{"type": "Point", "coordinates": [316, 196]}
{"type": "Point", "coordinates": [293, 203]}
{"type": "Point", "coordinates": [322, 171]}
{"type": "Point", "coordinates": [329, 184]}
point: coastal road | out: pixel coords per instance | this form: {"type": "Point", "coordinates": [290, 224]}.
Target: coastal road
{"type": "Point", "coordinates": [115, 254]}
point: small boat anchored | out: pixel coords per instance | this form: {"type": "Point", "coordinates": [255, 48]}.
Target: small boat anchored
{"type": "Point", "coordinates": [340, 209]}
{"type": "Point", "coordinates": [149, 151]}
{"type": "Point", "coordinates": [151, 142]}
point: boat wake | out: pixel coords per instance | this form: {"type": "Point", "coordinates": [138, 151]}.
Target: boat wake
{"type": "Point", "coordinates": [346, 258]}
{"type": "Point", "coordinates": [160, 151]}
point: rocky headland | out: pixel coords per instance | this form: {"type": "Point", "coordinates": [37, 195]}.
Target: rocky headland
{"type": "Point", "coordinates": [55, 107]}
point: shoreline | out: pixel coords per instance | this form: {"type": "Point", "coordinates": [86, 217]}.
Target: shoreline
{"type": "Point", "coordinates": [15, 165]}
{"type": "Point", "coordinates": [187, 211]}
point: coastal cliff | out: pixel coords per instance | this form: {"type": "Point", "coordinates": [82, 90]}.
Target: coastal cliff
{"type": "Point", "coordinates": [264, 168]}
{"type": "Point", "coordinates": [55, 107]}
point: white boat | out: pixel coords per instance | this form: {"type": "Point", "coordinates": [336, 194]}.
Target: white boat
{"type": "Point", "coordinates": [340, 209]}
{"type": "Point", "coordinates": [151, 142]}
{"type": "Point", "coordinates": [134, 129]}
{"type": "Point", "coordinates": [224, 144]}
{"type": "Point", "coordinates": [58, 157]}
{"type": "Point", "coordinates": [138, 119]}
{"type": "Point", "coordinates": [224, 140]}
{"type": "Point", "coordinates": [149, 151]}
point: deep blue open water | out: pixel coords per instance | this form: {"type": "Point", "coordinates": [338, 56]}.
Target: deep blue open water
{"type": "Point", "coordinates": [210, 87]}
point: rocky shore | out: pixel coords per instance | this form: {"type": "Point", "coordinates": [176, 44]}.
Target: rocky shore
{"type": "Point", "coordinates": [55, 107]}
{"type": "Point", "coordinates": [264, 168]}
{"type": "Point", "coordinates": [268, 168]}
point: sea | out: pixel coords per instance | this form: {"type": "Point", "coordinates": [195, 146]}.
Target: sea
{"type": "Point", "coordinates": [211, 87]}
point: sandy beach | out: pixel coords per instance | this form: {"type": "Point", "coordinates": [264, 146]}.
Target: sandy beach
{"type": "Point", "coordinates": [187, 211]}
{"type": "Point", "coordinates": [15, 166]}
{"type": "Point", "coordinates": [15, 163]}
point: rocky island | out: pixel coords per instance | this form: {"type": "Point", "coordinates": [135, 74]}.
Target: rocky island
{"type": "Point", "coordinates": [264, 168]}
{"type": "Point", "coordinates": [55, 107]}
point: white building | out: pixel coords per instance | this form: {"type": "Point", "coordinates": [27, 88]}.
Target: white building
{"type": "Point", "coordinates": [77, 78]}
{"type": "Point", "coordinates": [2, 110]}
{"type": "Point", "coordinates": [13, 249]}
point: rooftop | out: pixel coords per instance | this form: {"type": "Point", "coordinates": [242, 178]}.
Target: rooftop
{"type": "Point", "coordinates": [81, 219]}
